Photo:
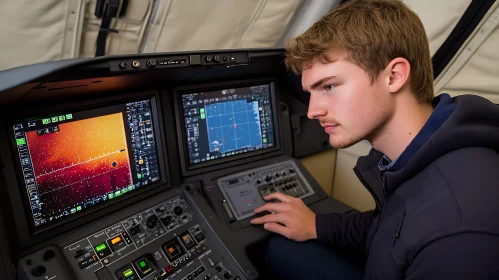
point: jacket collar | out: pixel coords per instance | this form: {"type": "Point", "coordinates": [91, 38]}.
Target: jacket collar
{"type": "Point", "coordinates": [370, 176]}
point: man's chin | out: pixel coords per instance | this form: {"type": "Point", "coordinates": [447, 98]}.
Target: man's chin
{"type": "Point", "coordinates": [341, 143]}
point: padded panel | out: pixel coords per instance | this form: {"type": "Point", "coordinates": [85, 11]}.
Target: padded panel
{"type": "Point", "coordinates": [35, 31]}
{"type": "Point", "coordinates": [273, 14]}
{"type": "Point", "coordinates": [438, 17]}
{"type": "Point", "coordinates": [475, 68]}
{"type": "Point", "coordinates": [480, 74]}
{"type": "Point", "coordinates": [224, 24]}
{"type": "Point", "coordinates": [321, 167]}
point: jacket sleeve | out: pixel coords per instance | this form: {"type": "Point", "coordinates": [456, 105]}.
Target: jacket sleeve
{"type": "Point", "coordinates": [462, 256]}
{"type": "Point", "coordinates": [347, 231]}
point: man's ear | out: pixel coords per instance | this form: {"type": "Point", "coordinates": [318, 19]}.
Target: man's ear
{"type": "Point", "coordinates": [398, 70]}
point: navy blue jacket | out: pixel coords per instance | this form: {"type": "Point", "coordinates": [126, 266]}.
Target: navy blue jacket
{"type": "Point", "coordinates": [437, 217]}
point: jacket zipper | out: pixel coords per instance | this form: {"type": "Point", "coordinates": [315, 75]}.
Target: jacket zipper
{"type": "Point", "coordinates": [385, 194]}
{"type": "Point", "coordinates": [369, 189]}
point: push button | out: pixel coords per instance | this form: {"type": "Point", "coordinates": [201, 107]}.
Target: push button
{"type": "Point", "coordinates": [187, 240]}
{"type": "Point", "coordinates": [116, 243]}
{"type": "Point", "coordinates": [127, 273]}
{"type": "Point", "coordinates": [102, 250]}
{"type": "Point", "coordinates": [116, 240]}
{"type": "Point", "coordinates": [144, 265]}
{"type": "Point", "coordinates": [172, 250]}
{"type": "Point", "coordinates": [199, 237]}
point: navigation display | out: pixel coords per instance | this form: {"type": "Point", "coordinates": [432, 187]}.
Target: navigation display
{"type": "Point", "coordinates": [228, 122]}
{"type": "Point", "coordinates": [74, 161]}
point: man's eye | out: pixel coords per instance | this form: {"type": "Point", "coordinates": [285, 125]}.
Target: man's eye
{"type": "Point", "coordinates": [328, 87]}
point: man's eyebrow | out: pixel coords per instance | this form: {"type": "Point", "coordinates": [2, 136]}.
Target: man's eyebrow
{"type": "Point", "coordinates": [319, 82]}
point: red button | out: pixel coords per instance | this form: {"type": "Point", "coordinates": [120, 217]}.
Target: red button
{"type": "Point", "coordinates": [169, 268]}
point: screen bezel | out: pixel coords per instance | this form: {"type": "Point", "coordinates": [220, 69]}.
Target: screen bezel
{"type": "Point", "coordinates": [78, 218]}
{"type": "Point", "coordinates": [191, 169]}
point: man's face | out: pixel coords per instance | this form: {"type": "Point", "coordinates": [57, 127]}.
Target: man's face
{"type": "Point", "coordinates": [345, 102]}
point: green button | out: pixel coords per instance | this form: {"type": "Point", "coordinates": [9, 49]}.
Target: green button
{"type": "Point", "coordinates": [128, 272]}
{"type": "Point", "coordinates": [20, 141]}
{"type": "Point", "coordinates": [142, 264]}
{"type": "Point", "coordinates": [100, 247]}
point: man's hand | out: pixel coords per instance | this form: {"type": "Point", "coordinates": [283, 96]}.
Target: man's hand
{"type": "Point", "coordinates": [290, 218]}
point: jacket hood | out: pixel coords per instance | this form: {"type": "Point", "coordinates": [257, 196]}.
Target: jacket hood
{"type": "Point", "coordinates": [473, 123]}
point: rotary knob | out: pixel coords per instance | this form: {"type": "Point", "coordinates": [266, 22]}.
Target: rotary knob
{"type": "Point", "coordinates": [178, 210]}
{"type": "Point", "coordinates": [166, 220]}
{"type": "Point", "coordinates": [152, 222]}
{"type": "Point", "coordinates": [216, 58]}
{"type": "Point", "coordinates": [151, 63]}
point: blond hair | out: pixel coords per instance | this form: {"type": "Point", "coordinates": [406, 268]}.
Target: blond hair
{"type": "Point", "coordinates": [372, 33]}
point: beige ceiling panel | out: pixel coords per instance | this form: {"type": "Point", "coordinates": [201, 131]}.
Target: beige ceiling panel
{"type": "Point", "coordinates": [182, 25]}
{"type": "Point", "coordinates": [475, 68]}
{"type": "Point", "coordinates": [480, 75]}
{"type": "Point", "coordinates": [38, 31]}
{"type": "Point", "coordinates": [439, 18]}
{"type": "Point", "coordinates": [269, 25]}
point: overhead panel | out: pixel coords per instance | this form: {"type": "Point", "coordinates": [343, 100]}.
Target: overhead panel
{"type": "Point", "coordinates": [224, 24]}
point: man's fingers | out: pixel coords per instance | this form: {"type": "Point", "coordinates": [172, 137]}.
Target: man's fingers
{"type": "Point", "coordinates": [279, 196]}
{"type": "Point", "coordinates": [271, 218]}
{"type": "Point", "coordinates": [273, 207]}
{"type": "Point", "coordinates": [277, 228]}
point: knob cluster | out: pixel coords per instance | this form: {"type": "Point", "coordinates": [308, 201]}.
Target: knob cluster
{"type": "Point", "coordinates": [275, 175]}
{"type": "Point", "coordinates": [215, 58]}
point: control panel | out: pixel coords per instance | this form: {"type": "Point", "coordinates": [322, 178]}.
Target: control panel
{"type": "Point", "coordinates": [162, 242]}
{"type": "Point", "coordinates": [244, 191]}
{"type": "Point", "coordinates": [177, 61]}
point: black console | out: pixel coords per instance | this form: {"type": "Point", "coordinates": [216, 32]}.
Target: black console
{"type": "Point", "coordinates": [146, 167]}
{"type": "Point", "coordinates": [169, 240]}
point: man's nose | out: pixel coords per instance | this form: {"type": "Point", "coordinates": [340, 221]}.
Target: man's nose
{"type": "Point", "coordinates": [316, 107]}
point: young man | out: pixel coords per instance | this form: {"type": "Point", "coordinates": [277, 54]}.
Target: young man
{"type": "Point", "coordinates": [433, 170]}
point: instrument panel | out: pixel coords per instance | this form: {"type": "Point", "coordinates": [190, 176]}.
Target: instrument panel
{"type": "Point", "coordinates": [152, 181]}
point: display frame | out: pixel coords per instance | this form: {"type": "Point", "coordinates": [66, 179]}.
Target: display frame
{"type": "Point", "coordinates": [189, 169]}
{"type": "Point", "coordinates": [17, 189]}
